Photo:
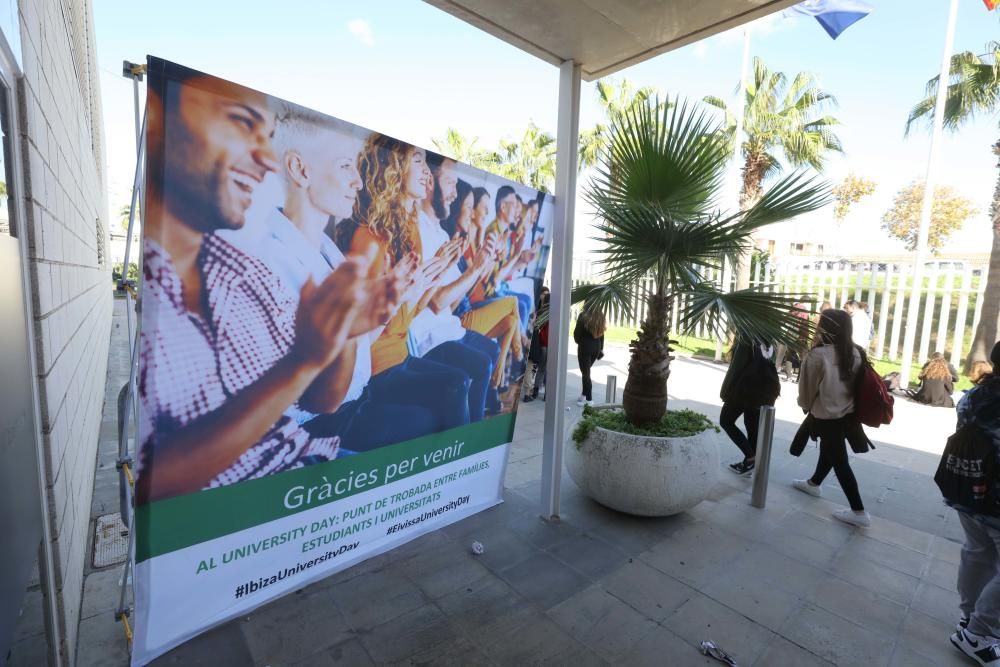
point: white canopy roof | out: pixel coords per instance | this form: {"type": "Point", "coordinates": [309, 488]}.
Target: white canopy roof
{"type": "Point", "coordinates": [605, 36]}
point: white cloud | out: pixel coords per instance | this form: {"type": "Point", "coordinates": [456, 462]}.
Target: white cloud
{"type": "Point", "coordinates": [360, 29]}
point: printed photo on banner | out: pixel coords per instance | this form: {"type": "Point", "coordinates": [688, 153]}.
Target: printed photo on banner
{"type": "Point", "coordinates": [313, 290]}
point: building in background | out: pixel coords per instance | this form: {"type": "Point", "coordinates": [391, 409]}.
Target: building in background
{"type": "Point", "coordinates": [56, 310]}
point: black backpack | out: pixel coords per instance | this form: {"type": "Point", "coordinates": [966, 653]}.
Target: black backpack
{"type": "Point", "coordinates": [967, 472]}
{"type": "Point", "coordinates": [758, 383]}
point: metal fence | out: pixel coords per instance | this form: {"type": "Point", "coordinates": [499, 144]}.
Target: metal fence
{"type": "Point", "coordinates": [950, 305]}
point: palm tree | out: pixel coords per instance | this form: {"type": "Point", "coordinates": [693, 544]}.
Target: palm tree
{"type": "Point", "coordinates": [531, 161]}
{"type": "Point", "coordinates": [973, 88]}
{"type": "Point", "coordinates": [780, 118]}
{"type": "Point", "coordinates": [459, 147]}
{"type": "Point", "coordinates": [660, 221]}
{"type": "Point", "coordinates": [614, 98]}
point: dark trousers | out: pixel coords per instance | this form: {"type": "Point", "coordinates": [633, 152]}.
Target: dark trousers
{"type": "Point", "coordinates": [415, 398]}
{"type": "Point", "coordinates": [543, 356]}
{"type": "Point", "coordinates": [751, 418]}
{"type": "Point", "coordinates": [833, 456]}
{"type": "Point", "coordinates": [476, 356]}
{"type": "Point", "coordinates": [586, 359]}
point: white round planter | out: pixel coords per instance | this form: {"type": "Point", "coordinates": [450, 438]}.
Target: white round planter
{"type": "Point", "coordinates": [644, 475]}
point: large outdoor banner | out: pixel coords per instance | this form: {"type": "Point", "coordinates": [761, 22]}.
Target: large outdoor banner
{"type": "Point", "coordinates": [334, 331]}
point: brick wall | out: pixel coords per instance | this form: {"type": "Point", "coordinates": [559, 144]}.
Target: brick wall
{"type": "Point", "coordinates": [66, 213]}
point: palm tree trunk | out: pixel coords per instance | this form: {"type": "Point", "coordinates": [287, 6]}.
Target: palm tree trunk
{"type": "Point", "coordinates": [753, 178]}
{"type": "Point", "coordinates": [645, 397]}
{"type": "Point", "coordinates": [988, 330]}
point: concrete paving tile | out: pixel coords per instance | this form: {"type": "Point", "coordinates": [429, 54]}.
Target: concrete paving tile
{"type": "Point", "coordinates": [603, 622]}
{"type": "Point", "coordinates": [31, 619]}
{"type": "Point", "coordinates": [825, 530]}
{"type": "Point", "coordinates": [942, 573]}
{"type": "Point", "coordinates": [936, 602]}
{"type": "Point", "coordinates": [898, 558]}
{"type": "Point", "coordinates": [590, 557]}
{"type": "Point", "coordinates": [369, 601]}
{"type": "Point", "coordinates": [219, 647]}
{"type": "Point", "coordinates": [647, 590]}
{"type": "Point", "coordinates": [947, 550]}
{"type": "Point", "coordinates": [662, 647]}
{"type": "Point", "coordinates": [746, 521]}
{"type": "Point", "coordinates": [859, 606]}
{"type": "Point", "coordinates": [804, 549]}
{"type": "Point", "coordinates": [295, 626]}
{"type": "Point", "coordinates": [697, 554]}
{"type": "Point", "coordinates": [540, 533]}
{"type": "Point", "coordinates": [759, 600]}
{"type": "Point", "coordinates": [544, 580]}
{"type": "Point", "coordinates": [422, 629]}
{"type": "Point", "coordinates": [32, 651]}
{"type": "Point", "coordinates": [924, 636]}
{"type": "Point", "coordinates": [101, 592]}
{"type": "Point", "coordinates": [783, 652]}
{"type": "Point", "coordinates": [485, 607]}
{"type": "Point", "coordinates": [876, 578]}
{"type": "Point", "coordinates": [893, 533]}
{"type": "Point", "coordinates": [702, 618]}
{"type": "Point", "coordinates": [443, 569]}
{"type": "Point", "coordinates": [101, 643]}
{"type": "Point", "coordinates": [349, 652]}
{"type": "Point", "coordinates": [503, 547]}
{"type": "Point", "coordinates": [778, 570]}
{"type": "Point", "coordinates": [536, 640]}
{"type": "Point", "coordinates": [906, 656]}
{"type": "Point", "coordinates": [458, 653]}
{"type": "Point", "coordinates": [835, 639]}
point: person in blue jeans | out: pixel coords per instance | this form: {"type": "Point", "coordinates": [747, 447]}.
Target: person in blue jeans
{"type": "Point", "coordinates": [476, 356]}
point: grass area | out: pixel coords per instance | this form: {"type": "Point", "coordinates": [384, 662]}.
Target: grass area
{"type": "Point", "coordinates": [689, 344]}
{"type": "Point", "coordinates": [675, 424]}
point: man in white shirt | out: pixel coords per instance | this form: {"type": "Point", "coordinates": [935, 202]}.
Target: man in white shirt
{"type": "Point", "coordinates": [860, 323]}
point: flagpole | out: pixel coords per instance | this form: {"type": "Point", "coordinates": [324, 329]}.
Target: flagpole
{"type": "Point", "coordinates": [734, 175]}
{"type": "Point", "coordinates": [926, 208]}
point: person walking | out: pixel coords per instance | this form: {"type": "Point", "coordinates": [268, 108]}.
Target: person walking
{"type": "Point", "coordinates": [750, 382]}
{"type": "Point", "coordinates": [538, 352]}
{"type": "Point", "coordinates": [589, 337]}
{"type": "Point", "coordinates": [827, 382]}
{"type": "Point", "coordinates": [979, 568]}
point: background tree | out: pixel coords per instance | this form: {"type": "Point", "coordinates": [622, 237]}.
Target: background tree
{"type": "Point", "coordinates": [530, 160]}
{"type": "Point", "coordinates": [973, 89]}
{"type": "Point", "coordinates": [459, 147]}
{"type": "Point", "coordinates": [949, 213]}
{"type": "Point", "coordinates": [614, 97]}
{"type": "Point", "coordinates": [781, 118]}
{"type": "Point", "coordinates": [849, 192]}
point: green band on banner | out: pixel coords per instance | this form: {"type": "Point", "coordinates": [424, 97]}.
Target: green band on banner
{"type": "Point", "coordinates": [176, 523]}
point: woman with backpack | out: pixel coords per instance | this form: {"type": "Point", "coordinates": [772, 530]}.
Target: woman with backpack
{"type": "Point", "coordinates": [979, 568]}
{"type": "Point", "coordinates": [750, 382]}
{"type": "Point", "coordinates": [827, 382]}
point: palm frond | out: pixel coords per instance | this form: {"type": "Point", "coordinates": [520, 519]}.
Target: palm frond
{"type": "Point", "coordinates": [612, 298]}
{"type": "Point", "coordinates": [793, 195]}
{"type": "Point", "coordinates": [753, 313]}
{"type": "Point", "coordinates": [973, 89]}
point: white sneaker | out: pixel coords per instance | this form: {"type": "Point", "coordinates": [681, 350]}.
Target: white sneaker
{"type": "Point", "coordinates": [862, 520]}
{"type": "Point", "coordinates": [581, 401]}
{"type": "Point", "coordinates": [804, 486]}
{"type": "Point", "coordinates": [984, 650]}
{"type": "Point", "coordinates": [588, 402]}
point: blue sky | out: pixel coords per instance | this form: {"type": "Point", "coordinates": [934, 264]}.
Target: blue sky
{"type": "Point", "coordinates": [407, 69]}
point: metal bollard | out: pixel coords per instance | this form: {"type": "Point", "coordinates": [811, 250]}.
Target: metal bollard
{"type": "Point", "coordinates": [611, 390]}
{"type": "Point", "coordinates": [765, 435]}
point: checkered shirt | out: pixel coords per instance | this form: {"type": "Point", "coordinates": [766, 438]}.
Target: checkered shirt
{"type": "Point", "coordinates": [190, 367]}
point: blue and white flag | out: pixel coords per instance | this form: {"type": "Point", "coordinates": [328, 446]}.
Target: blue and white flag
{"type": "Point", "coordinates": [835, 16]}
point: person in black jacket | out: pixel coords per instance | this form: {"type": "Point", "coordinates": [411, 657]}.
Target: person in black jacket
{"type": "Point", "coordinates": [747, 386]}
{"type": "Point", "coordinates": [589, 337]}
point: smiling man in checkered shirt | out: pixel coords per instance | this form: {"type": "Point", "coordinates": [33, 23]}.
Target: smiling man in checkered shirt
{"type": "Point", "coordinates": [224, 350]}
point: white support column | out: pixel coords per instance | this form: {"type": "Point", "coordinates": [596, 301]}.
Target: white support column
{"type": "Point", "coordinates": [567, 140]}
